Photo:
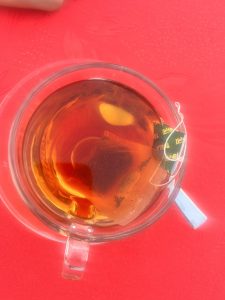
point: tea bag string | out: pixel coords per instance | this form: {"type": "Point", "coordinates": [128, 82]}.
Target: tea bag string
{"type": "Point", "coordinates": [182, 152]}
{"type": "Point", "coordinates": [184, 144]}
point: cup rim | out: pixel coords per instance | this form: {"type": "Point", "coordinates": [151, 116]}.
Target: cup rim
{"type": "Point", "coordinates": [73, 68]}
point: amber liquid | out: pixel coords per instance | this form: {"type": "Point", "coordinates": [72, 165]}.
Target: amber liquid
{"type": "Point", "coordinates": [88, 153]}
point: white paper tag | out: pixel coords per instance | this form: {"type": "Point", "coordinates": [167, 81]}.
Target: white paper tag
{"type": "Point", "coordinates": [190, 210]}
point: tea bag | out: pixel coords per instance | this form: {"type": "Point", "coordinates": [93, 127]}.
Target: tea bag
{"type": "Point", "coordinates": [120, 169]}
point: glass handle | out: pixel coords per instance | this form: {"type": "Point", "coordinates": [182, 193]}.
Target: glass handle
{"type": "Point", "coordinates": [75, 258]}
{"type": "Point", "coordinates": [190, 210]}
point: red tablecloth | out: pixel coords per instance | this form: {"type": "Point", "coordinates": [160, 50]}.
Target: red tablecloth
{"type": "Point", "coordinates": [181, 46]}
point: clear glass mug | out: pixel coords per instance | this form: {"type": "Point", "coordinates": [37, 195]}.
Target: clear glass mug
{"type": "Point", "coordinates": [15, 113]}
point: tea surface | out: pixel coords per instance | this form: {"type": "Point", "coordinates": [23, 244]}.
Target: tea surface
{"type": "Point", "coordinates": [88, 152]}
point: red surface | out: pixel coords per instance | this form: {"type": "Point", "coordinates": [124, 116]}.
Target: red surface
{"type": "Point", "coordinates": [181, 46]}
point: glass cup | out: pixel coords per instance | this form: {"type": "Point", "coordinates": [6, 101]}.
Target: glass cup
{"type": "Point", "coordinates": [16, 111]}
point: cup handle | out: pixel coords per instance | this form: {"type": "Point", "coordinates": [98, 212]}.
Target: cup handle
{"type": "Point", "coordinates": [75, 258]}
{"type": "Point", "coordinates": [190, 210]}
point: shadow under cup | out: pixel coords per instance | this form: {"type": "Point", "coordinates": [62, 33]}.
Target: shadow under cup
{"type": "Point", "coordinates": [21, 193]}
